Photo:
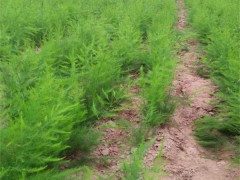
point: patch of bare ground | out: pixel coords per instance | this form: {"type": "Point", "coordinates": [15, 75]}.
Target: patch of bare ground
{"type": "Point", "coordinates": [115, 146]}
{"type": "Point", "coordinates": [186, 159]}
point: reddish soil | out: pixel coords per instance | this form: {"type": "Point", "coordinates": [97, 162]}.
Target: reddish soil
{"type": "Point", "coordinates": [115, 147]}
{"type": "Point", "coordinates": [186, 160]}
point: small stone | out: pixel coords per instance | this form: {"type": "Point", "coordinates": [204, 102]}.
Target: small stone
{"type": "Point", "coordinates": [211, 113]}
{"type": "Point", "coordinates": [105, 152]}
{"type": "Point", "coordinates": [122, 157]}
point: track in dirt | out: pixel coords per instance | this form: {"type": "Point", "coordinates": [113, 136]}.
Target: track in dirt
{"type": "Point", "coordinates": [186, 160]}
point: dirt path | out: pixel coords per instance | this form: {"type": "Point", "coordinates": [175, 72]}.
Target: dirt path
{"type": "Point", "coordinates": [186, 160]}
{"type": "Point", "coordinates": [117, 132]}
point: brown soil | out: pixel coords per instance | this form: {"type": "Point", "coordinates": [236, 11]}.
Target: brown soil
{"type": "Point", "coordinates": [115, 147]}
{"type": "Point", "coordinates": [186, 160]}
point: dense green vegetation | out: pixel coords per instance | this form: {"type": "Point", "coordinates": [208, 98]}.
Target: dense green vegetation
{"type": "Point", "coordinates": [217, 24]}
{"type": "Point", "coordinates": [62, 64]}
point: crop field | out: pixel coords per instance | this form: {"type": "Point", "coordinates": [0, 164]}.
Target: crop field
{"type": "Point", "coordinates": [68, 66]}
{"type": "Point", "coordinates": [63, 64]}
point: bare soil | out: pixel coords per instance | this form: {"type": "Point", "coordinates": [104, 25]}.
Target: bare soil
{"type": "Point", "coordinates": [115, 147]}
{"type": "Point", "coordinates": [186, 159]}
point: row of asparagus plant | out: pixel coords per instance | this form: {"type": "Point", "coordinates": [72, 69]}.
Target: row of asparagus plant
{"type": "Point", "coordinates": [217, 24]}
{"type": "Point", "coordinates": [62, 66]}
